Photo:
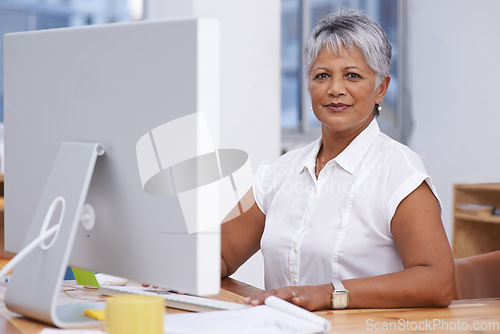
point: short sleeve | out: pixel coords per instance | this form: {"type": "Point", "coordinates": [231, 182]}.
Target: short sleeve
{"type": "Point", "coordinates": [407, 174]}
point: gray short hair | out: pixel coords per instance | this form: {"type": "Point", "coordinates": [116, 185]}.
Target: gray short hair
{"type": "Point", "coordinates": [350, 28]}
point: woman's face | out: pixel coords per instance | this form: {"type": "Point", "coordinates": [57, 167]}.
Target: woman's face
{"type": "Point", "coordinates": [342, 89]}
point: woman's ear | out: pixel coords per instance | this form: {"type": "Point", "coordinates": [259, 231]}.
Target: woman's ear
{"type": "Point", "coordinates": [382, 88]}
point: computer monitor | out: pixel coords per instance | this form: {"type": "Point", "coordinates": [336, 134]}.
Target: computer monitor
{"type": "Point", "coordinates": [71, 94]}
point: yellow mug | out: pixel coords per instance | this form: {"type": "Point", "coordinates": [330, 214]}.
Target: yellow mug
{"type": "Point", "coordinates": [132, 314]}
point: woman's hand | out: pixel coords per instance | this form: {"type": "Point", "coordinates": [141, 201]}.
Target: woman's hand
{"type": "Point", "coordinates": [311, 298]}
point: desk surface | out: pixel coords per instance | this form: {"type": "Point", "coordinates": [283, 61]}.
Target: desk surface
{"type": "Point", "coordinates": [467, 316]}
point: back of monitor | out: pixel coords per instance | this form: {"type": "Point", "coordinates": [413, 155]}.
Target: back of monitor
{"type": "Point", "coordinates": [111, 85]}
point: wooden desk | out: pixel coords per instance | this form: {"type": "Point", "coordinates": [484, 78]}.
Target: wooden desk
{"type": "Point", "coordinates": [460, 317]}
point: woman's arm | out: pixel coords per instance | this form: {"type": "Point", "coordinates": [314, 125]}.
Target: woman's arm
{"type": "Point", "coordinates": [428, 276]}
{"type": "Point", "coordinates": [240, 236]}
{"type": "Point", "coordinates": [427, 279]}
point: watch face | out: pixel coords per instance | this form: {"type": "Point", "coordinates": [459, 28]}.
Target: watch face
{"type": "Point", "coordinates": [340, 300]}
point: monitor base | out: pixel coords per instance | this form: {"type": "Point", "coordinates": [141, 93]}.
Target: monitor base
{"type": "Point", "coordinates": [35, 284]}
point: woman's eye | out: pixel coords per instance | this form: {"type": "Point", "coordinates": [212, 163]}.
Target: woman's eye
{"type": "Point", "coordinates": [353, 76]}
{"type": "Point", "coordinates": [321, 76]}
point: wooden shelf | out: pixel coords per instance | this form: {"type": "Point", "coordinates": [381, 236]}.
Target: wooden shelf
{"type": "Point", "coordinates": [475, 234]}
{"type": "Point", "coordinates": [490, 220]}
{"type": "Point", "coordinates": [478, 186]}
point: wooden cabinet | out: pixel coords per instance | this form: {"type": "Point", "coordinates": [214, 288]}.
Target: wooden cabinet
{"type": "Point", "coordinates": [476, 229]}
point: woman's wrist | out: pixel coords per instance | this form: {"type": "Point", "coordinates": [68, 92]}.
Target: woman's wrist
{"type": "Point", "coordinates": [328, 295]}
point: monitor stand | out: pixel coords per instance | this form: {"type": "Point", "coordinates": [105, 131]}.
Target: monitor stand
{"type": "Point", "coordinates": [35, 284]}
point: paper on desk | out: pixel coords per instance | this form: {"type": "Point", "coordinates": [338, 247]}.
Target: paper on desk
{"type": "Point", "coordinates": [298, 312]}
{"type": "Point", "coordinates": [85, 277]}
{"type": "Point", "coordinates": [277, 316]}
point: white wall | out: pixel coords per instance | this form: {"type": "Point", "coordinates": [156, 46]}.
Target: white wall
{"type": "Point", "coordinates": [454, 82]}
{"type": "Point", "coordinates": [250, 81]}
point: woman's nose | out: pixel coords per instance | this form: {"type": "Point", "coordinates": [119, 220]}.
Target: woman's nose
{"type": "Point", "coordinates": [336, 87]}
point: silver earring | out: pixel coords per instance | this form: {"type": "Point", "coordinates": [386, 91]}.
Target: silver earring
{"type": "Point", "coordinates": [379, 107]}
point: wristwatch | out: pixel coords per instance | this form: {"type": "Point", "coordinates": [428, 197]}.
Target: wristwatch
{"type": "Point", "coordinates": [340, 296]}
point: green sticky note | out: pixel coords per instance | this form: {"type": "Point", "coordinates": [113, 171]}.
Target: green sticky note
{"type": "Point", "coordinates": [85, 277]}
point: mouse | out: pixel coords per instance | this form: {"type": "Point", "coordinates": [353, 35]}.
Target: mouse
{"type": "Point", "coordinates": [109, 280]}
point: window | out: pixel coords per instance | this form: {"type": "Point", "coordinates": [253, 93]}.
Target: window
{"type": "Point", "coordinates": [298, 123]}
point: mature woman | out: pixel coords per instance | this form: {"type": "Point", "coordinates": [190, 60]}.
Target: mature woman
{"type": "Point", "coordinates": [353, 219]}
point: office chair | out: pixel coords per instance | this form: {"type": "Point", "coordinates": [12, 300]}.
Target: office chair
{"type": "Point", "coordinates": [478, 276]}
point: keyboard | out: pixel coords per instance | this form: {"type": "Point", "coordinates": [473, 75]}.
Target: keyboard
{"type": "Point", "coordinates": [174, 300]}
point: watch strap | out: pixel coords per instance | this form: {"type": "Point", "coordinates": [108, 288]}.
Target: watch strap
{"type": "Point", "coordinates": [339, 287]}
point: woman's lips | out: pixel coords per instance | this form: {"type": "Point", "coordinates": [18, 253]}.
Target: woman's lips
{"type": "Point", "coordinates": [337, 106]}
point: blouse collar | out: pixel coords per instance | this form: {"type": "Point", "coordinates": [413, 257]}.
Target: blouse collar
{"type": "Point", "coordinates": [350, 158]}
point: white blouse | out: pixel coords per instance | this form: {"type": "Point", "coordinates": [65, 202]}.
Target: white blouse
{"type": "Point", "coordinates": [338, 226]}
